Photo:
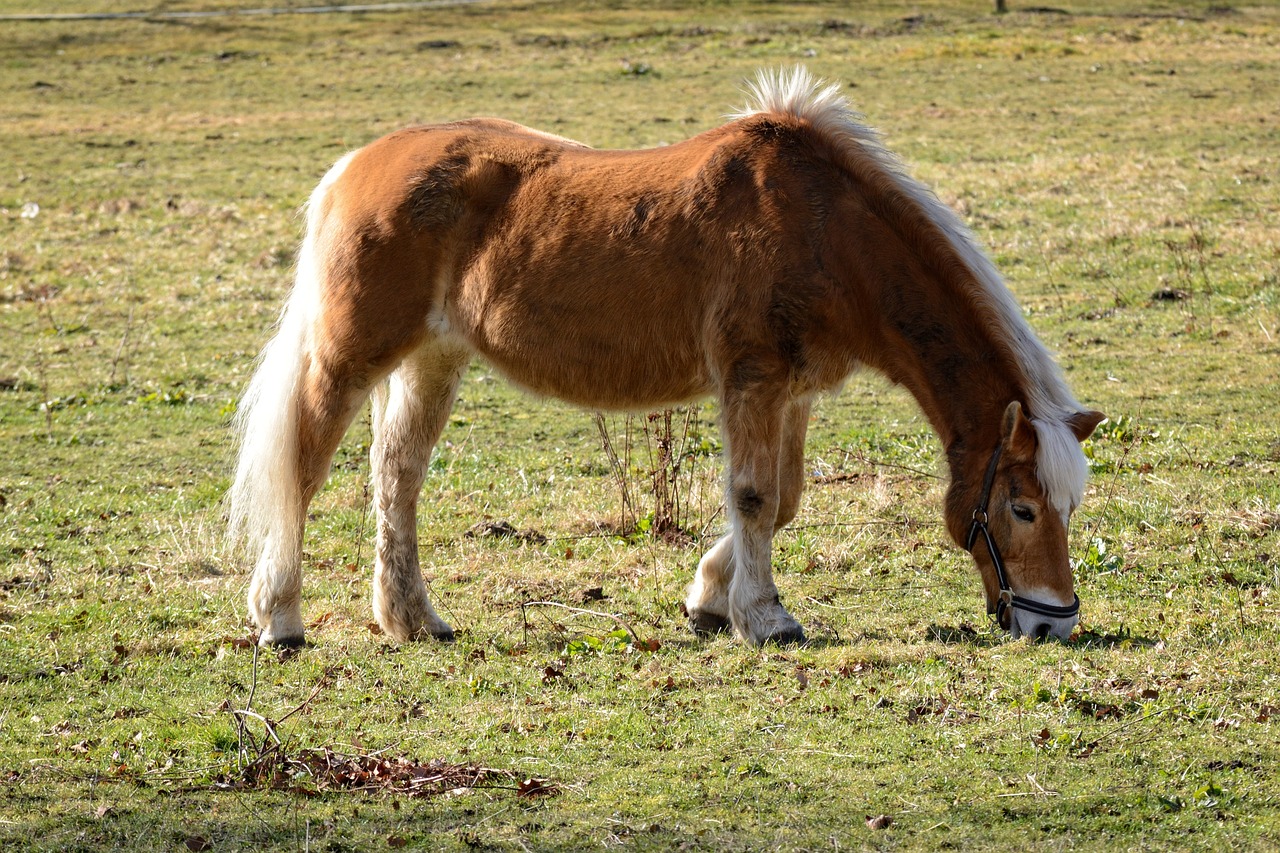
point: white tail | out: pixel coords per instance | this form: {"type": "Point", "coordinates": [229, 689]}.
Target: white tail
{"type": "Point", "coordinates": [264, 500]}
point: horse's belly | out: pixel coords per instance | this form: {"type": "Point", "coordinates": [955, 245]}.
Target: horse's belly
{"type": "Point", "coordinates": [590, 351]}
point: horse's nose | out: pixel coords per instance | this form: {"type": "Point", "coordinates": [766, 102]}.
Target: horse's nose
{"type": "Point", "coordinates": [1042, 631]}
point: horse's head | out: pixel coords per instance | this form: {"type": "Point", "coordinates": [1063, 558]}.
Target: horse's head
{"type": "Point", "coordinates": [1017, 532]}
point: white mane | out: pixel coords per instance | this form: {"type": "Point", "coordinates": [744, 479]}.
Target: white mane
{"type": "Point", "coordinates": [1060, 464]}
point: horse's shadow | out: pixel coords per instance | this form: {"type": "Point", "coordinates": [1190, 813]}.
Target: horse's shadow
{"type": "Point", "coordinates": [1120, 638]}
{"type": "Point", "coordinates": [966, 634]}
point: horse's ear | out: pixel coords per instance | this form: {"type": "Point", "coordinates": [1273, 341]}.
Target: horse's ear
{"type": "Point", "coordinates": [1084, 423]}
{"type": "Point", "coordinates": [1018, 434]}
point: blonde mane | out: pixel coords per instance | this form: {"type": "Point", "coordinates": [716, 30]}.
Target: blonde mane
{"type": "Point", "coordinates": [1061, 465]}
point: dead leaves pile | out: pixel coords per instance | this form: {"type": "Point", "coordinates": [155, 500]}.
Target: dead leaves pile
{"type": "Point", "coordinates": [323, 770]}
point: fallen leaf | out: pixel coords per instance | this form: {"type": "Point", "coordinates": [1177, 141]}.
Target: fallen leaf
{"type": "Point", "coordinates": [537, 788]}
{"type": "Point", "coordinates": [880, 821]}
{"type": "Point", "coordinates": [197, 843]}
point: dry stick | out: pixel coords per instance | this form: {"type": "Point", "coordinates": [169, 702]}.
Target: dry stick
{"type": "Point", "coordinates": [120, 350]}
{"type": "Point", "coordinates": [268, 728]}
{"type": "Point", "coordinates": [1127, 724]}
{"type": "Point", "coordinates": [240, 729]}
{"type": "Point", "coordinates": [1048, 271]}
{"type": "Point", "coordinates": [43, 373]}
{"type": "Point", "coordinates": [44, 392]}
{"type": "Point", "coordinates": [364, 518]}
{"type": "Point", "coordinates": [1115, 476]}
{"type": "Point", "coordinates": [582, 610]}
{"type": "Point", "coordinates": [1263, 328]}
{"type": "Point", "coordinates": [616, 466]}
{"type": "Point", "coordinates": [320, 685]}
{"type": "Point", "coordinates": [861, 457]}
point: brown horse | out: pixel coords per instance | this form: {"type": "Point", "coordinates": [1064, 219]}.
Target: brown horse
{"type": "Point", "coordinates": [760, 262]}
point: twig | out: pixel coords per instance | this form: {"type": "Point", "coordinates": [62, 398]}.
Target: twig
{"type": "Point", "coordinates": [120, 350]}
{"type": "Point", "coordinates": [861, 457]}
{"type": "Point", "coordinates": [618, 467]}
{"type": "Point", "coordinates": [1115, 476]}
{"type": "Point", "coordinates": [267, 726]}
{"type": "Point", "coordinates": [314, 693]}
{"type": "Point", "coordinates": [1125, 725]}
{"type": "Point", "coordinates": [253, 685]}
{"type": "Point", "coordinates": [1048, 271]}
{"type": "Point", "coordinates": [585, 612]}
{"type": "Point", "coordinates": [364, 519]}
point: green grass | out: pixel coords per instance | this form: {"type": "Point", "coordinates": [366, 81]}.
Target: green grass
{"type": "Point", "coordinates": [1120, 163]}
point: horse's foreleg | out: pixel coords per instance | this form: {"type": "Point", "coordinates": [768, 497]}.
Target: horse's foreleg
{"type": "Point", "coordinates": [409, 417]}
{"type": "Point", "coordinates": [707, 600]}
{"type": "Point", "coordinates": [754, 429]}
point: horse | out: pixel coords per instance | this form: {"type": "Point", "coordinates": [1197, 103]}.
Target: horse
{"type": "Point", "coordinates": [760, 263]}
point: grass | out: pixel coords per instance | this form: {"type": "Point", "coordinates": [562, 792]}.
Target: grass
{"type": "Point", "coordinates": [1118, 160]}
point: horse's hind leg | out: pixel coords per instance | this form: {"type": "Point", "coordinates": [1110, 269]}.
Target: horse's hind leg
{"type": "Point", "coordinates": [326, 401]}
{"type": "Point", "coordinates": [707, 600]}
{"type": "Point", "coordinates": [410, 414]}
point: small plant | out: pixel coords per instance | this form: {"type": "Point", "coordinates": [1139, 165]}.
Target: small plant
{"type": "Point", "coordinates": [1097, 560]}
{"type": "Point", "coordinates": [659, 450]}
{"type": "Point", "coordinates": [614, 642]}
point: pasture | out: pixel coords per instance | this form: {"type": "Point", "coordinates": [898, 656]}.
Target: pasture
{"type": "Point", "coordinates": [1119, 161]}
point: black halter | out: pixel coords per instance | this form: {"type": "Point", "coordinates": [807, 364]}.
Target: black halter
{"type": "Point", "coordinates": [1007, 599]}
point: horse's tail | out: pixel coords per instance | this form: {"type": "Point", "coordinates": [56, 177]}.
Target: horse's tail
{"type": "Point", "coordinates": [265, 498]}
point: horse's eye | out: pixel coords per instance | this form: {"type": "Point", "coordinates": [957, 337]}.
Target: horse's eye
{"type": "Point", "coordinates": [1023, 513]}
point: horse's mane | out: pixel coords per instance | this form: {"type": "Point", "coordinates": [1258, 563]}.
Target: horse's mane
{"type": "Point", "coordinates": [1061, 465]}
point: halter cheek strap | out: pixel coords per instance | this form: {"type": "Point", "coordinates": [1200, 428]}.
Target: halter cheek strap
{"type": "Point", "coordinates": [1007, 599]}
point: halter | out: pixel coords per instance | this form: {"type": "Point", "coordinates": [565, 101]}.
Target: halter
{"type": "Point", "coordinates": [1007, 599]}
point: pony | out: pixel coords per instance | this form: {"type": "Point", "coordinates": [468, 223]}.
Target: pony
{"type": "Point", "coordinates": [760, 263]}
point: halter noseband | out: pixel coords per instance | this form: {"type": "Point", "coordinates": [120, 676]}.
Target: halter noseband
{"type": "Point", "coordinates": [1007, 599]}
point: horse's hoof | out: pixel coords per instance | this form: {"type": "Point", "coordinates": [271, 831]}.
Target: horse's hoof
{"type": "Point", "coordinates": [789, 637]}
{"type": "Point", "coordinates": [423, 633]}
{"type": "Point", "coordinates": [297, 642]}
{"type": "Point", "coordinates": [708, 624]}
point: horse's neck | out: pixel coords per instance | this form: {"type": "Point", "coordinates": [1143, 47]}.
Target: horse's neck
{"type": "Point", "coordinates": [946, 350]}
{"type": "Point", "coordinates": [935, 330]}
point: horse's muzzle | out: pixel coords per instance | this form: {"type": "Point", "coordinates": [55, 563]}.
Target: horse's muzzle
{"type": "Point", "coordinates": [1029, 623]}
